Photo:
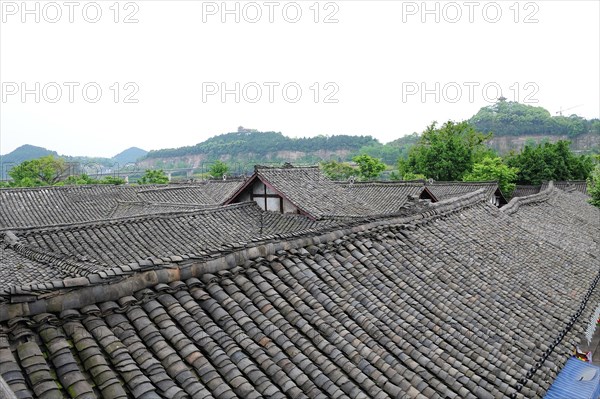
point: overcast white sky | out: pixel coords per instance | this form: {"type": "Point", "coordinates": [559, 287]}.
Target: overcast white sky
{"type": "Point", "coordinates": [365, 63]}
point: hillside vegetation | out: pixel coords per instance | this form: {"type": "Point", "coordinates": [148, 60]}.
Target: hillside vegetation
{"type": "Point", "coordinates": [264, 143]}
{"type": "Point", "coordinates": [508, 118]}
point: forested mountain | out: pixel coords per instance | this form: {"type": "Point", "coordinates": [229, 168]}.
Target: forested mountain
{"type": "Point", "coordinates": [25, 153]}
{"type": "Point", "coordinates": [508, 118]}
{"type": "Point", "coordinates": [130, 155]}
{"type": "Point", "coordinates": [262, 144]}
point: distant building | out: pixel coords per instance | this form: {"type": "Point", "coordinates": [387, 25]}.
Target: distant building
{"type": "Point", "coordinates": [242, 129]}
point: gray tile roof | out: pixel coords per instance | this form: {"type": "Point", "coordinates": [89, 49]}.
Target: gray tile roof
{"type": "Point", "coordinates": [47, 206]}
{"type": "Point", "coordinates": [141, 208]}
{"type": "Point", "coordinates": [461, 301]}
{"type": "Point", "coordinates": [115, 242]}
{"type": "Point", "coordinates": [50, 206]}
{"type": "Point", "coordinates": [578, 185]}
{"type": "Point", "coordinates": [17, 268]}
{"type": "Point", "coordinates": [525, 190]}
{"type": "Point", "coordinates": [449, 189]}
{"type": "Point", "coordinates": [564, 219]}
{"type": "Point", "coordinates": [310, 191]}
{"type": "Point", "coordinates": [384, 197]}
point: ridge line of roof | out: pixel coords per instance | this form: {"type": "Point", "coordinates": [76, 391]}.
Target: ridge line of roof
{"type": "Point", "coordinates": [174, 204]}
{"type": "Point", "coordinates": [66, 263]}
{"type": "Point", "coordinates": [461, 183]}
{"type": "Point", "coordinates": [284, 167]}
{"type": "Point", "coordinates": [516, 202]}
{"type": "Point", "coordinates": [183, 186]}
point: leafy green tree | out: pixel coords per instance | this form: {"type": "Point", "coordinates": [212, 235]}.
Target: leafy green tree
{"type": "Point", "coordinates": [594, 184]}
{"type": "Point", "coordinates": [112, 180]}
{"type": "Point", "coordinates": [337, 170]}
{"type": "Point", "coordinates": [494, 169]}
{"type": "Point", "coordinates": [447, 153]}
{"type": "Point", "coordinates": [549, 161]}
{"type": "Point", "coordinates": [83, 179]}
{"type": "Point", "coordinates": [44, 171]}
{"type": "Point", "coordinates": [218, 169]}
{"type": "Point", "coordinates": [369, 168]}
{"type": "Point", "coordinates": [154, 176]}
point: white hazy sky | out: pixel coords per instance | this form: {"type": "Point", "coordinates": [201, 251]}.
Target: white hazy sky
{"type": "Point", "coordinates": [391, 67]}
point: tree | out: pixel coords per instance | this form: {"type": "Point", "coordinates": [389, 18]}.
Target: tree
{"type": "Point", "coordinates": [549, 161]}
{"type": "Point", "coordinates": [154, 176]}
{"type": "Point", "coordinates": [405, 173]}
{"type": "Point", "coordinates": [494, 169]}
{"type": "Point", "coordinates": [112, 180]}
{"type": "Point", "coordinates": [44, 171]}
{"type": "Point", "coordinates": [218, 169]}
{"type": "Point", "coordinates": [85, 179]}
{"type": "Point", "coordinates": [447, 153]}
{"type": "Point", "coordinates": [369, 168]}
{"type": "Point", "coordinates": [594, 184]}
{"type": "Point", "coordinates": [337, 170]}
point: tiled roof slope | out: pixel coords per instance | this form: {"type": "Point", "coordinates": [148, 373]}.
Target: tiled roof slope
{"type": "Point", "coordinates": [220, 190]}
{"type": "Point", "coordinates": [449, 189]}
{"type": "Point", "coordinates": [140, 208]}
{"type": "Point", "coordinates": [565, 219]}
{"type": "Point", "coordinates": [116, 242]}
{"type": "Point", "coordinates": [49, 206]}
{"type": "Point", "coordinates": [180, 195]}
{"type": "Point", "coordinates": [458, 302]}
{"type": "Point", "coordinates": [313, 193]}
{"type": "Point", "coordinates": [579, 185]}
{"type": "Point", "coordinates": [525, 190]}
{"type": "Point", "coordinates": [16, 268]}
{"type": "Point", "coordinates": [384, 197]}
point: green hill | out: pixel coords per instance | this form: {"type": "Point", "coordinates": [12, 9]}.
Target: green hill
{"type": "Point", "coordinates": [25, 153]}
{"type": "Point", "coordinates": [508, 118]}
{"type": "Point", "coordinates": [130, 155]}
{"type": "Point", "coordinates": [263, 145]}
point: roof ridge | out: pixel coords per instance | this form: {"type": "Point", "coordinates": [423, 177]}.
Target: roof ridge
{"type": "Point", "coordinates": [175, 204]}
{"type": "Point", "coordinates": [462, 183]}
{"type": "Point", "coordinates": [516, 202]}
{"type": "Point", "coordinates": [284, 167]}
{"type": "Point", "coordinates": [64, 262]}
{"type": "Point", "coordinates": [381, 182]}
{"type": "Point", "coordinates": [67, 187]}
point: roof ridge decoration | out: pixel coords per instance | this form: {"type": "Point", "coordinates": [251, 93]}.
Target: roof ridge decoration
{"type": "Point", "coordinates": [381, 182]}
{"type": "Point", "coordinates": [127, 279]}
{"type": "Point", "coordinates": [515, 203]}
{"type": "Point", "coordinates": [286, 165]}
{"type": "Point", "coordinates": [72, 265]}
{"type": "Point", "coordinates": [173, 204]}
{"type": "Point", "coordinates": [461, 183]}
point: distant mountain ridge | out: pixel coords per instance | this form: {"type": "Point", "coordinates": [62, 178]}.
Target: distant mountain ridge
{"type": "Point", "coordinates": [28, 152]}
{"type": "Point", "coordinates": [130, 155]}
{"type": "Point", "coordinates": [513, 125]}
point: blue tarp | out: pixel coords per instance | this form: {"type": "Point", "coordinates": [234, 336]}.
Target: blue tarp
{"type": "Point", "coordinates": [577, 380]}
